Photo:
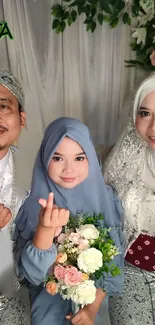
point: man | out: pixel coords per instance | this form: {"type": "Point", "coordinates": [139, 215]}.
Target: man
{"type": "Point", "coordinates": [12, 119]}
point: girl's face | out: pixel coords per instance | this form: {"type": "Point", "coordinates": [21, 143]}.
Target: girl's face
{"type": "Point", "coordinates": [69, 165]}
{"type": "Point", "coordinates": [145, 120]}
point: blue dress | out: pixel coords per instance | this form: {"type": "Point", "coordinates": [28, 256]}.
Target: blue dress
{"type": "Point", "coordinates": [91, 196]}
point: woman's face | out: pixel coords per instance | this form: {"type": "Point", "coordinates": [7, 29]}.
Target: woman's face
{"type": "Point", "coordinates": [145, 120]}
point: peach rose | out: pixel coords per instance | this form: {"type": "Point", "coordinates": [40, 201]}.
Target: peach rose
{"type": "Point", "coordinates": [152, 58]}
{"type": "Point", "coordinates": [61, 258]}
{"type": "Point", "coordinates": [52, 288]}
{"type": "Point", "coordinates": [59, 272]}
{"type": "Point", "coordinates": [85, 276]}
{"type": "Point", "coordinates": [72, 276]}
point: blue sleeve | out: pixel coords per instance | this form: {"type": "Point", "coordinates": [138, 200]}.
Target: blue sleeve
{"type": "Point", "coordinates": [31, 263]}
{"type": "Point", "coordinates": [114, 285]}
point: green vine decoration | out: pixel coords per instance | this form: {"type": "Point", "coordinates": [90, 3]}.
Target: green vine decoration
{"type": "Point", "coordinates": [139, 14]}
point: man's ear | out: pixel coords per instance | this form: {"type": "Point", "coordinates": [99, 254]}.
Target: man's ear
{"type": "Point", "coordinates": [23, 119]}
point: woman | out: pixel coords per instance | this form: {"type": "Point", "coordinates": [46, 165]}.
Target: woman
{"type": "Point", "coordinates": [130, 170]}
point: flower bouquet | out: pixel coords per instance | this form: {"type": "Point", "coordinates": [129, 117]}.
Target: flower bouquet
{"type": "Point", "coordinates": [84, 252]}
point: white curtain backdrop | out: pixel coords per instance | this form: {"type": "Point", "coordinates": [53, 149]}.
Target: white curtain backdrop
{"type": "Point", "coordinates": [76, 74]}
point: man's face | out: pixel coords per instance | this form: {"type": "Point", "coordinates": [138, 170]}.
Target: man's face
{"type": "Point", "coordinates": [11, 120]}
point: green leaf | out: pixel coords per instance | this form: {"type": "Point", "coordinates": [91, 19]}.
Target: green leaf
{"type": "Point", "coordinates": [55, 24]}
{"type": "Point", "coordinates": [106, 18]}
{"type": "Point", "coordinates": [58, 29]}
{"type": "Point", "coordinates": [88, 20]}
{"type": "Point", "coordinates": [129, 21]}
{"type": "Point", "coordinates": [57, 11]}
{"type": "Point", "coordinates": [65, 16]}
{"type": "Point", "coordinates": [104, 4]}
{"type": "Point", "coordinates": [74, 15]}
{"type": "Point", "coordinates": [88, 27]}
{"type": "Point", "coordinates": [81, 9]}
{"type": "Point", "coordinates": [93, 2]}
{"type": "Point", "coordinates": [87, 10]}
{"type": "Point", "coordinates": [57, 7]}
{"type": "Point", "coordinates": [134, 62]}
{"type": "Point", "coordinates": [114, 22]}
{"type": "Point", "coordinates": [62, 26]}
{"type": "Point", "coordinates": [100, 18]}
{"type": "Point", "coordinates": [93, 12]}
{"type": "Point", "coordinates": [125, 18]}
{"type": "Point", "coordinates": [69, 20]}
{"type": "Point", "coordinates": [93, 26]}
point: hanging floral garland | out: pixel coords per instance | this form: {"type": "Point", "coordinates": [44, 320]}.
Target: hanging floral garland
{"type": "Point", "coordinates": [139, 14]}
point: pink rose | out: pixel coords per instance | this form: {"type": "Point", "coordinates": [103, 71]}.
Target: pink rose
{"type": "Point", "coordinates": [72, 276]}
{"type": "Point", "coordinates": [59, 272]}
{"type": "Point", "coordinates": [84, 244]}
{"type": "Point", "coordinates": [152, 58]}
{"type": "Point", "coordinates": [61, 238]}
{"type": "Point", "coordinates": [75, 238]}
{"type": "Point", "coordinates": [58, 231]}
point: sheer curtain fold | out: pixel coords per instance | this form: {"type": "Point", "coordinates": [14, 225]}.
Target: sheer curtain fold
{"type": "Point", "coordinates": [76, 74]}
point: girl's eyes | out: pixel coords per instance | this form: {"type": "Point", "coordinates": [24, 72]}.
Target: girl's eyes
{"type": "Point", "coordinates": [80, 158]}
{"type": "Point", "coordinates": [144, 113]}
{"type": "Point", "coordinates": [57, 158]}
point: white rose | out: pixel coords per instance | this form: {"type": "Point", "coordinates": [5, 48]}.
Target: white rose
{"type": "Point", "coordinates": [88, 231]}
{"type": "Point", "coordinates": [84, 293]}
{"type": "Point", "coordinates": [90, 260]}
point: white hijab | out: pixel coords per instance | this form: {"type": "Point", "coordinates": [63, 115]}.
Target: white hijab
{"type": "Point", "coordinates": [148, 174]}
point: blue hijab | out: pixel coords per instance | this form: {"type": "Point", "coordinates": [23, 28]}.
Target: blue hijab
{"type": "Point", "coordinates": [90, 196]}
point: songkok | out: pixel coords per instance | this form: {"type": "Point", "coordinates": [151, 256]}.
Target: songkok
{"type": "Point", "coordinates": [10, 82]}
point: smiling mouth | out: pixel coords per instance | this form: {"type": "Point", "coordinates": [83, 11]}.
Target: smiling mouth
{"type": "Point", "coordinates": [152, 138]}
{"type": "Point", "coordinates": [68, 179]}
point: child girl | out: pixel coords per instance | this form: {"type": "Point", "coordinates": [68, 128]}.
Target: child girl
{"type": "Point", "coordinates": [68, 169]}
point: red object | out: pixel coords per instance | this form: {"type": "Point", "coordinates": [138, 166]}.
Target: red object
{"type": "Point", "coordinates": [142, 253]}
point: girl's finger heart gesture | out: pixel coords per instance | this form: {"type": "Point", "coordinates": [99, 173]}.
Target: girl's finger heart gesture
{"type": "Point", "coordinates": [50, 215]}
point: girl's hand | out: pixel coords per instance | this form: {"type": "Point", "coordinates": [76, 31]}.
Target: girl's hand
{"type": "Point", "coordinates": [5, 216]}
{"type": "Point", "coordinates": [50, 215]}
{"type": "Point", "coordinates": [51, 220]}
{"type": "Point", "coordinates": [85, 316]}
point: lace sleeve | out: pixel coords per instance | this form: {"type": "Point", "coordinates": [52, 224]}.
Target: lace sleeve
{"type": "Point", "coordinates": [113, 154]}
